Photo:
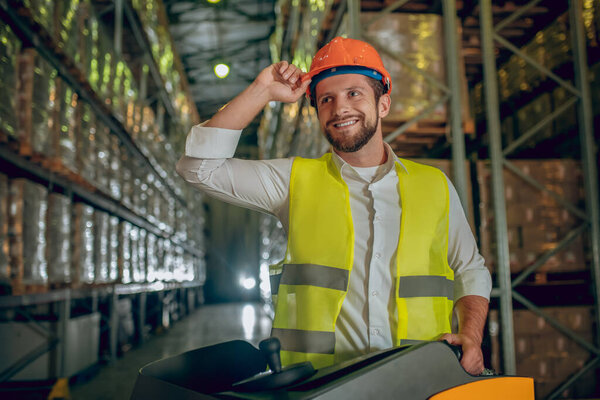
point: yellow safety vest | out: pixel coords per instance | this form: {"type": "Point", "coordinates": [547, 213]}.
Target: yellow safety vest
{"type": "Point", "coordinates": [310, 284]}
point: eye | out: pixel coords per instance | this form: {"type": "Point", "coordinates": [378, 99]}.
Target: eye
{"type": "Point", "coordinates": [324, 99]}
{"type": "Point", "coordinates": [354, 93]}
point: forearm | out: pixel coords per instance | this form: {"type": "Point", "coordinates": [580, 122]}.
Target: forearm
{"type": "Point", "coordinates": [277, 82]}
{"type": "Point", "coordinates": [238, 113]}
{"type": "Point", "coordinates": [472, 314]}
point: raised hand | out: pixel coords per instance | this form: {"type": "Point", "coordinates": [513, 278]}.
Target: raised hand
{"type": "Point", "coordinates": [283, 82]}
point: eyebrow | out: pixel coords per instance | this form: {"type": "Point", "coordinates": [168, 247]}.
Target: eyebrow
{"type": "Point", "coordinates": [345, 89]}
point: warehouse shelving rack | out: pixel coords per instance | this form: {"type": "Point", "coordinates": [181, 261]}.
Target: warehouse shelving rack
{"type": "Point", "coordinates": [349, 11]}
{"type": "Point", "coordinates": [590, 217]}
{"type": "Point", "coordinates": [183, 295]}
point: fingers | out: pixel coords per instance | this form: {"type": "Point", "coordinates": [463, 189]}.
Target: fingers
{"type": "Point", "coordinates": [288, 73]}
{"type": "Point", "coordinates": [472, 357]}
{"type": "Point", "coordinates": [302, 86]}
{"type": "Point", "coordinates": [472, 361]}
{"type": "Point", "coordinates": [451, 338]}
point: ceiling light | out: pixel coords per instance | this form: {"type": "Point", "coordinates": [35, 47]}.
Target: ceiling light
{"type": "Point", "coordinates": [213, 1]}
{"type": "Point", "coordinates": [248, 283]}
{"type": "Point", "coordinates": [221, 70]}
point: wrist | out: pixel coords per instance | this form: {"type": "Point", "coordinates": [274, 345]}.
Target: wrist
{"type": "Point", "coordinates": [259, 91]}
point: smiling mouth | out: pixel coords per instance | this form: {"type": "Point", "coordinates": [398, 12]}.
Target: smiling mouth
{"type": "Point", "coordinates": [345, 124]}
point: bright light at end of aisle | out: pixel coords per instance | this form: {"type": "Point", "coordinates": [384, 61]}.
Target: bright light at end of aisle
{"type": "Point", "coordinates": [221, 70]}
{"type": "Point", "coordinates": [247, 283]}
{"type": "Point", "coordinates": [214, 1]}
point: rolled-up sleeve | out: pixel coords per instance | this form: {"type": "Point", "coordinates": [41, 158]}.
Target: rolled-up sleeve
{"type": "Point", "coordinates": [211, 143]}
{"type": "Point", "coordinates": [208, 165]}
{"type": "Point", "coordinates": [471, 276]}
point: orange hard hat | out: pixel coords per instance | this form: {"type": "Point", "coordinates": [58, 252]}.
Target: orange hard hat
{"type": "Point", "coordinates": [346, 56]}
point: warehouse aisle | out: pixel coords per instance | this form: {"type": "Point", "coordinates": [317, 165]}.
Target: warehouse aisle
{"type": "Point", "coordinates": [208, 325]}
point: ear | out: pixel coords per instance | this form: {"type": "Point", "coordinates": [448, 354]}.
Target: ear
{"type": "Point", "coordinates": [385, 102]}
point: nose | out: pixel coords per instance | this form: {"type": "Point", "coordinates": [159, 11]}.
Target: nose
{"type": "Point", "coordinates": [341, 106]}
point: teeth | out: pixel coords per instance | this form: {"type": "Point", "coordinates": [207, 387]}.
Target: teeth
{"type": "Point", "coordinates": [345, 124]}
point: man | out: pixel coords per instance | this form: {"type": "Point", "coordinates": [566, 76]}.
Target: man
{"type": "Point", "coordinates": [378, 247]}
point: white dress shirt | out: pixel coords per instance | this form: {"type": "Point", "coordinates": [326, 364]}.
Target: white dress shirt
{"type": "Point", "coordinates": [368, 319]}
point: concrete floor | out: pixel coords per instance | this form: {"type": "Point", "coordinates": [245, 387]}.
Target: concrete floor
{"type": "Point", "coordinates": [206, 326]}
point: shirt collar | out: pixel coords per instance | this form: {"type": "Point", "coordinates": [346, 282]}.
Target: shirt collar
{"type": "Point", "coordinates": [392, 159]}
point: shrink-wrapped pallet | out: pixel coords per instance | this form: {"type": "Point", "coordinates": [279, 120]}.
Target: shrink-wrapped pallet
{"type": "Point", "coordinates": [155, 201]}
{"type": "Point", "coordinates": [69, 32]}
{"type": "Point", "coordinates": [117, 90]}
{"type": "Point", "coordinates": [34, 234]}
{"type": "Point", "coordinates": [102, 150]}
{"type": "Point", "coordinates": [4, 264]}
{"type": "Point", "coordinates": [152, 272]}
{"type": "Point", "coordinates": [95, 60]}
{"type": "Point", "coordinates": [86, 151]}
{"type": "Point", "coordinates": [142, 255]}
{"type": "Point", "coordinates": [107, 70]}
{"type": "Point", "coordinates": [190, 266]}
{"type": "Point", "coordinates": [130, 100]}
{"type": "Point", "coordinates": [115, 168]}
{"type": "Point", "coordinates": [126, 178]}
{"type": "Point", "coordinates": [168, 264]}
{"type": "Point", "coordinates": [24, 100]}
{"type": "Point", "coordinates": [113, 249]}
{"type": "Point", "coordinates": [134, 236]}
{"type": "Point", "coordinates": [10, 47]}
{"type": "Point", "coordinates": [418, 38]}
{"type": "Point", "coordinates": [27, 230]}
{"type": "Point", "coordinates": [45, 99]}
{"type": "Point", "coordinates": [161, 273]}
{"type": "Point", "coordinates": [180, 271]}
{"type": "Point", "coordinates": [83, 267]}
{"type": "Point", "coordinates": [101, 246]}
{"type": "Point", "coordinates": [59, 240]}
{"type": "Point", "coordinates": [126, 271]}
{"type": "Point", "coordinates": [68, 125]}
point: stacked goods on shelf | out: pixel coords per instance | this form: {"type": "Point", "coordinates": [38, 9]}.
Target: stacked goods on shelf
{"type": "Point", "coordinates": [418, 37]}
{"type": "Point", "coordinates": [126, 254]}
{"type": "Point", "coordinates": [545, 354]}
{"type": "Point", "coordinates": [142, 255]}
{"type": "Point", "coordinates": [76, 244]}
{"type": "Point", "coordinates": [27, 232]}
{"type": "Point", "coordinates": [4, 262]}
{"type": "Point", "coordinates": [83, 245]}
{"type": "Point", "coordinates": [10, 47]}
{"type": "Point", "coordinates": [152, 265]}
{"type": "Point", "coordinates": [446, 167]}
{"type": "Point", "coordinates": [536, 221]}
{"type": "Point", "coordinates": [59, 239]}
{"type": "Point", "coordinates": [101, 247]}
{"type": "Point", "coordinates": [551, 47]}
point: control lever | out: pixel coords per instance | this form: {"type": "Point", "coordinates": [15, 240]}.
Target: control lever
{"type": "Point", "coordinates": [278, 377]}
{"type": "Point", "coordinates": [270, 348]}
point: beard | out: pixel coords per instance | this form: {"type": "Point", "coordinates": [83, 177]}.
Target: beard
{"type": "Point", "coordinates": [354, 142]}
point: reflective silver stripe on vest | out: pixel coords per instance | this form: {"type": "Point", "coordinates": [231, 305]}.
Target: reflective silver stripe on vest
{"type": "Point", "coordinates": [315, 275]}
{"type": "Point", "coordinates": [426, 286]}
{"type": "Point", "coordinates": [275, 279]}
{"type": "Point", "coordinates": [305, 341]}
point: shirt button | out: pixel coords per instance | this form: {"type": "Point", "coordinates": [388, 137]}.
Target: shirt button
{"type": "Point", "coordinates": [377, 256]}
{"type": "Point", "coordinates": [377, 218]}
{"type": "Point", "coordinates": [374, 331]}
{"type": "Point", "coordinates": [374, 293]}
